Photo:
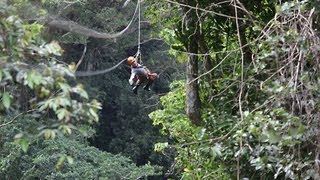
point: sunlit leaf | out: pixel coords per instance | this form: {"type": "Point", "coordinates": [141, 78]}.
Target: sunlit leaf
{"type": "Point", "coordinates": [61, 113]}
{"type": "Point", "coordinates": [65, 129]}
{"type": "Point", "coordinates": [6, 100]}
{"type": "Point", "coordinates": [60, 162]}
{"type": "Point", "coordinates": [158, 147]}
{"type": "Point", "coordinates": [54, 48]}
{"type": "Point", "coordinates": [49, 134]}
{"type": "Point", "coordinates": [22, 141]}
{"type": "Point", "coordinates": [70, 160]}
{"type": "Point", "coordinates": [94, 114]}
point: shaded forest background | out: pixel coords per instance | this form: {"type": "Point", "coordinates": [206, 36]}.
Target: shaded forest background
{"type": "Point", "coordinates": [237, 95]}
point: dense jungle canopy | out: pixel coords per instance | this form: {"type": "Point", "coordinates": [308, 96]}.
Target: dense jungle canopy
{"type": "Point", "coordinates": [237, 97]}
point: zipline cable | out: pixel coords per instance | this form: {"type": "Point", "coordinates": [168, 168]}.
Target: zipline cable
{"type": "Point", "coordinates": [92, 73]}
{"type": "Point", "coordinates": [138, 54]}
{"type": "Point", "coordinates": [139, 26]}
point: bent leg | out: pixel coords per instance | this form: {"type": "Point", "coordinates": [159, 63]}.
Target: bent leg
{"type": "Point", "coordinates": [147, 86]}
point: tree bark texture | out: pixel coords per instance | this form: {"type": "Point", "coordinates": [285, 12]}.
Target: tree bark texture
{"type": "Point", "coordinates": [192, 91]}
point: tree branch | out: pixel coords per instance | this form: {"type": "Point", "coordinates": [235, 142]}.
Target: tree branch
{"type": "Point", "coordinates": [82, 57]}
{"type": "Point", "coordinates": [14, 118]}
{"type": "Point", "coordinates": [72, 26]}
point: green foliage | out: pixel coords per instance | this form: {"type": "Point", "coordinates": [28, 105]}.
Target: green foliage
{"type": "Point", "coordinates": [34, 82]}
{"type": "Point", "coordinates": [189, 141]}
{"type": "Point", "coordinates": [6, 99]}
{"type": "Point", "coordinates": [265, 133]}
{"type": "Point", "coordinates": [44, 88]}
{"type": "Point", "coordinates": [171, 117]}
{"type": "Point", "coordinates": [125, 127]}
{"type": "Point", "coordinates": [63, 158]}
{"type": "Point", "coordinates": [259, 108]}
{"type": "Point", "coordinates": [279, 134]}
{"type": "Point", "coordinates": [81, 162]}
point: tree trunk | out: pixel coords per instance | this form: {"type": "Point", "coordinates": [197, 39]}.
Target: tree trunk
{"type": "Point", "coordinates": [192, 91]}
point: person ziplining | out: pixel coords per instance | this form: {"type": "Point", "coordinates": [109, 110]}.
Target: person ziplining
{"type": "Point", "coordinates": [140, 74]}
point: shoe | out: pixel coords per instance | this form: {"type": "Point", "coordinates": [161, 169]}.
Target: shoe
{"type": "Point", "coordinates": [135, 89]}
{"type": "Point", "coordinates": [147, 88]}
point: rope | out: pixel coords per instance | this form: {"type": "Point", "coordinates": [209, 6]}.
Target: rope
{"type": "Point", "coordinates": [92, 73]}
{"type": "Point", "coordinates": [138, 54]}
{"type": "Point", "coordinates": [139, 26]}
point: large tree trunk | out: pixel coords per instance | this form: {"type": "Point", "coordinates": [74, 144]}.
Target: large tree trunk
{"type": "Point", "coordinates": [192, 91]}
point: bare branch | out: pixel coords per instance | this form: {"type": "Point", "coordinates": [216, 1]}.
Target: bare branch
{"type": "Point", "coordinates": [241, 83]}
{"type": "Point", "coordinates": [14, 118]}
{"type": "Point", "coordinates": [201, 9]}
{"type": "Point", "coordinates": [82, 57]}
{"type": "Point", "coordinates": [72, 26]}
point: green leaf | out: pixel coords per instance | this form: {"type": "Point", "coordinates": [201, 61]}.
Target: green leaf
{"type": "Point", "coordinates": [54, 48]}
{"type": "Point", "coordinates": [83, 94]}
{"type": "Point", "coordinates": [49, 134]}
{"type": "Point", "coordinates": [70, 160]}
{"type": "Point", "coordinates": [64, 86]}
{"type": "Point", "coordinates": [94, 114]}
{"type": "Point", "coordinates": [6, 100]}
{"type": "Point", "coordinates": [216, 150]}
{"type": "Point", "coordinates": [273, 137]}
{"type": "Point", "coordinates": [79, 90]}
{"type": "Point", "coordinates": [61, 113]}
{"type": "Point", "coordinates": [256, 28]}
{"type": "Point", "coordinates": [96, 104]}
{"type": "Point", "coordinates": [33, 78]}
{"type": "Point", "coordinates": [158, 147]}
{"type": "Point", "coordinates": [22, 141]}
{"type": "Point", "coordinates": [65, 129]}
{"type": "Point", "coordinates": [37, 78]}
{"type": "Point", "coordinates": [60, 162]}
{"type": "Point", "coordinates": [1, 75]}
{"type": "Point", "coordinates": [43, 105]}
